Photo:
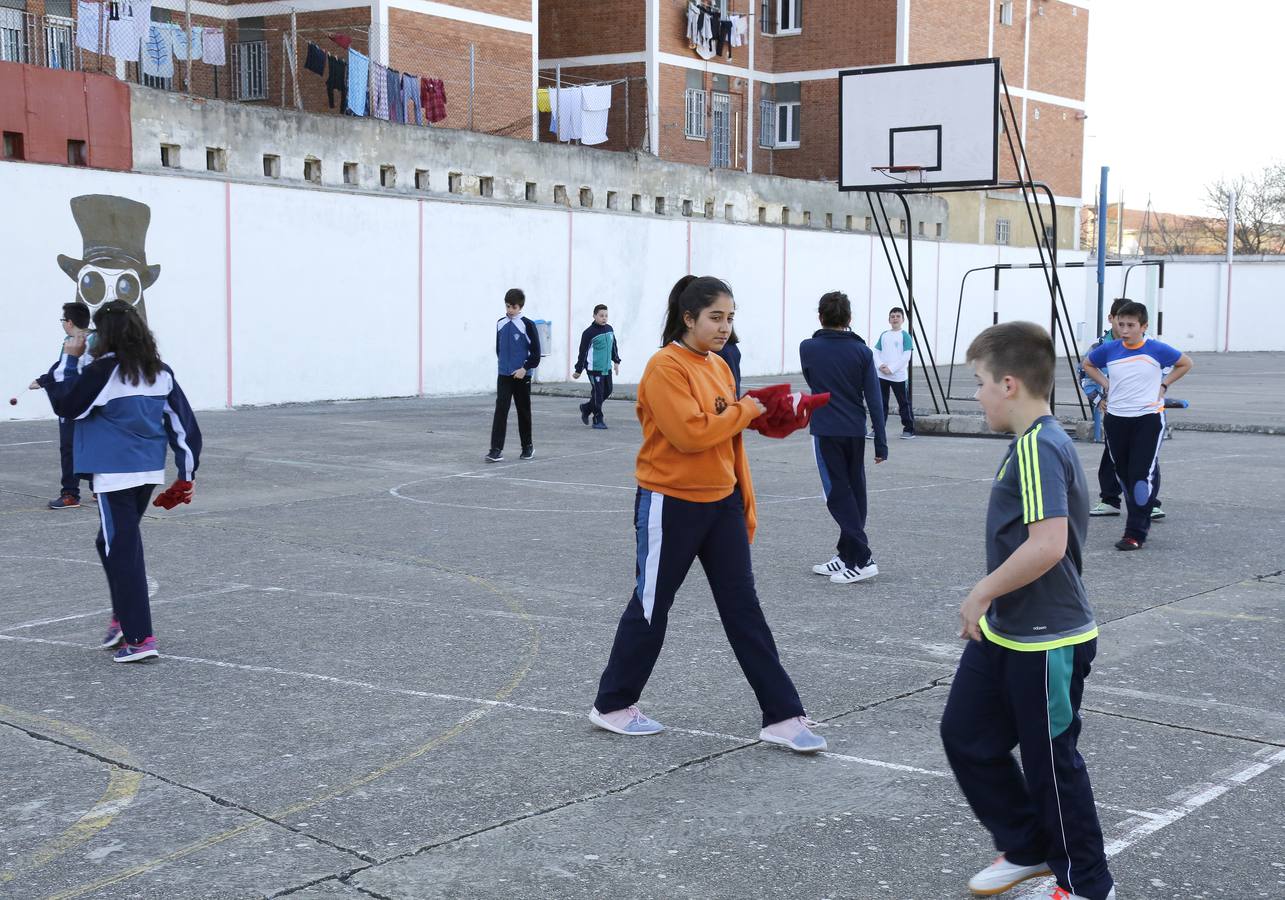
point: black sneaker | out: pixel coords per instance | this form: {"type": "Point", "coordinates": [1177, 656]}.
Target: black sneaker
{"type": "Point", "coordinates": [601, 426]}
{"type": "Point", "coordinates": [1128, 543]}
{"type": "Point", "coordinates": [495, 456]}
{"type": "Point", "coordinates": [584, 413]}
{"type": "Point", "coordinates": [527, 453]}
{"type": "Point", "coordinates": [65, 501]}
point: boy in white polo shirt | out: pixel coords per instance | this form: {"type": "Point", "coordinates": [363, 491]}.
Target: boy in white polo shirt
{"type": "Point", "coordinates": [1134, 383]}
{"type": "Point", "coordinates": [892, 359]}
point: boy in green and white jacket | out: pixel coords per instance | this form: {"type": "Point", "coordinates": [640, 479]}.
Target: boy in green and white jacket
{"type": "Point", "coordinates": [892, 358]}
{"type": "Point", "coordinates": [598, 356]}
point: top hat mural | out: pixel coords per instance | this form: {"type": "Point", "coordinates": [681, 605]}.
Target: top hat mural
{"type": "Point", "coordinates": [114, 260]}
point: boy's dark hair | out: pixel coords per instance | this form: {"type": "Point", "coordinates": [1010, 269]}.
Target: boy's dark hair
{"type": "Point", "coordinates": [835, 310]}
{"type": "Point", "coordinates": [1133, 310]}
{"type": "Point", "coordinates": [1021, 349]}
{"type": "Point", "coordinates": [897, 309]}
{"type": "Point", "coordinates": [1116, 304]}
{"type": "Point", "coordinates": [599, 308]}
{"type": "Point", "coordinates": [121, 330]}
{"type": "Point", "coordinates": [76, 313]}
{"type": "Point", "coordinates": [515, 297]}
{"type": "Point", "coordinates": [689, 295]}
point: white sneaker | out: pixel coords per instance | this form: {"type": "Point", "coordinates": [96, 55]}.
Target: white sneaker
{"type": "Point", "coordinates": [629, 721]}
{"type": "Point", "coordinates": [1001, 875]}
{"type": "Point", "coordinates": [796, 733]}
{"type": "Point", "coordinates": [830, 568]}
{"type": "Point", "coordinates": [849, 576]}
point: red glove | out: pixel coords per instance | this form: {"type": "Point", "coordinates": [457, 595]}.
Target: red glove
{"type": "Point", "coordinates": [178, 492]}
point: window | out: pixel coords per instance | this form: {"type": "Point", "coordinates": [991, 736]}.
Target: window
{"type": "Point", "coordinates": [250, 61]}
{"type": "Point", "coordinates": [586, 197]}
{"type": "Point", "coordinates": [455, 185]}
{"type": "Point", "coordinates": [765, 15]}
{"type": "Point", "coordinates": [486, 187]}
{"type": "Point", "coordinates": [919, 228]}
{"type": "Point", "coordinates": [1002, 229]}
{"type": "Point", "coordinates": [660, 206]}
{"type": "Point", "coordinates": [612, 202]}
{"type": "Point", "coordinates": [350, 173]}
{"type": "Point", "coordinates": [13, 145]}
{"type": "Point", "coordinates": [789, 16]}
{"type": "Point", "coordinates": [1006, 12]}
{"type": "Point", "coordinates": [271, 165]}
{"type": "Point", "coordinates": [767, 117]}
{"type": "Point", "coordinates": [939, 230]}
{"type": "Point", "coordinates": [1049, 237]}
{"type": "Point", "coordinates": [312, 170]}
{"type": "Point", "coordinates": [421, 180]}
{"type": "Point", "coordinates": [694, 122]}
{"type": "Point", "coordinates": [687, 208]}
{"type": "Point", "coordinates": [13, 29]}
{"type": "Point", "coordinates": [559, 194]}
{"type": "Point", "coordinates": [60, 46]}
{"type": "Point", "coordinates": [388, 176]}
{"type": "Point", "coordinates": [532, 191]}
{"type": "Point", "coordinates": [635, 202]}
{"type": "Point", "coordinates": [77, 154]}
{"type": "Point", "coordinates": [216, 159]}
{"type": "Point", "coordinates": [787, 115]}
{"type": "Point", "coordinates": [169, 156]}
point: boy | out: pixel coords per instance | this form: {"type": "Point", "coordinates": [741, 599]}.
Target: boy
{"type": "Point", "coordinates": [1135, 418]}
{"type": "Point", "coordinates": [598, 355]}
{"type": "Point", "coordinates": [1031, 637]}
{"type": "Point", "coordinates": [75, 324]}
{"type": "Point", "coordinates": [517, 351]}
{"type": "Point", "coordinates": [1108, 487]}
{"type": "Point", "coordinates": [836, 360]}
{"type": "Point", "coordinates": [892, 353]}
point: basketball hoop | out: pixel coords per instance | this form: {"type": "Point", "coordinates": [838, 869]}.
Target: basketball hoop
{"type": "Point", "coordinates": [903, 174]}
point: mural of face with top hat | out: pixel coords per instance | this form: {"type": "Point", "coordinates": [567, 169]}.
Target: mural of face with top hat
{"type": "Point", "coordinates": [114, 261]}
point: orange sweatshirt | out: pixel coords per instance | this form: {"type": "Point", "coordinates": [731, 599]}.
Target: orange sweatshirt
{"type": "Point", "coordinates": [691, 424]}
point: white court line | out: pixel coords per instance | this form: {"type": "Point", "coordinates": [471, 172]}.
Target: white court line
{"type": "Point", "coordinates": [25, 443]}
{"type": "Point", "coordinates": [36, 623]}
{"type": "Point", "coordinates": [1166, 817]}
{"type": "Point", "coordinates": [472, 701]}
{"type": "Point", "coordinates": [491, 471]}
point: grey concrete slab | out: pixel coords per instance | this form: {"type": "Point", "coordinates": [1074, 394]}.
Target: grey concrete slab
{"type": "Point", "coordinates": [392, 644]}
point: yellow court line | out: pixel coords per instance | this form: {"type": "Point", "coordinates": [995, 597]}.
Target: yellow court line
{"type": "Point", "coordinates": [122, 787]}
{"type": "Point", "coordinates": [463, 724]}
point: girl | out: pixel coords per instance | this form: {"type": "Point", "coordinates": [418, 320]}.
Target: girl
{"type": "Point", "coordinates": [695, 500]}
{"type": "Point", "coordinates": [126, 404]}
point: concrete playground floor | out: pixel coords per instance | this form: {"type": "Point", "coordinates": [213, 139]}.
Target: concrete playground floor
{"type": "Point", "coordinates": [378, 653]}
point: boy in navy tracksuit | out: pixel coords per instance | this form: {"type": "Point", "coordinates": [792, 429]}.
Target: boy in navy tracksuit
{"type": "Point", "coordinates": [517, 352]}
{"type": "Point", "coordinates": [836, 360]}
{"type": "Point", "coordinates": [599, 357]}
{"type": "Point", "coordinates": [126, 405]}
{"type": "Point", "coordinates": [75, 322]}
{"type": "Point", "coordinates": [1031, 638]}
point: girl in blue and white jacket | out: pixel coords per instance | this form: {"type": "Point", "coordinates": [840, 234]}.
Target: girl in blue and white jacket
{"type": "Point", "coordinates": [126, 405]}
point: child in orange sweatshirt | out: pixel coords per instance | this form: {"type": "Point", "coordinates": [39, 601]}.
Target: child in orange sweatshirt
{"type": "Point", "coordinates": [695, 500]}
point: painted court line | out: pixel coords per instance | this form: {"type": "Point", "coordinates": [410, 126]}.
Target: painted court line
{"type": "Point", "coordinates": [25, 443]}
{"type": "Point", "coordinates": [1164, 818]}
{"type": "Point", "coordinates": [36, 623]}
{"type": "Point", "coordinates": [472, 701]}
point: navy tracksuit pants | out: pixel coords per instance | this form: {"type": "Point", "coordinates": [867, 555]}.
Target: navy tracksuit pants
{"type": "Point", "coordinates": [599, 391]}
{"type": "Point", "coordinates": [898, 388]}
{"type": "Point", "coordinates": [841, 462]}
{"type": "Point", "coordinates": [120, 547]}
{"type": "Point", "coordinates": [515, 392]}
{"type": "Point", "coordinates": [1109, 485]}
{"type": "Point", "coordinates": [672, 534]}
{"type": "Point", "coordinates": [66, 437]}
{"type": "Point", "coordinates": [1042, 812]}
{"type": "Point", "coordinates": [1134, 444]}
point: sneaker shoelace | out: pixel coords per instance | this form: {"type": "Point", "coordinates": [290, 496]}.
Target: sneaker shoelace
{"type": "Point", "coordinates": [635, 716]}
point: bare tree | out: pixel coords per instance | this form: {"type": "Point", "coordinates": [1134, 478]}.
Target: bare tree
{"type": "Point", "coordinates": [1260, 211]}
{"type": "Point", "coordinates": [1174, 235]}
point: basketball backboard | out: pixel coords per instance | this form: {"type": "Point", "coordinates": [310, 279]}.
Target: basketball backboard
{"type": "Point", "coordinates": [939, 119]}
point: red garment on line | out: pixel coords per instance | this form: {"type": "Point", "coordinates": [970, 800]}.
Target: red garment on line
{"type": "Point", "coordinates": [433, 98]}
{"type": "Point", "coordinates": [342, 40]}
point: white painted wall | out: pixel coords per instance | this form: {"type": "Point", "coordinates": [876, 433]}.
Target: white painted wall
{"type": "Point", "coordinates": [325, 297]}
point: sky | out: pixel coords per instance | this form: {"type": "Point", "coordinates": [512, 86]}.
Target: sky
{"type": "Point", "coordinates": [1181, 93]}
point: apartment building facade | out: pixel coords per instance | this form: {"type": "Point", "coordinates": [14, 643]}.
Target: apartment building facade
{"type": "Point", "coordinates": [770, 105]}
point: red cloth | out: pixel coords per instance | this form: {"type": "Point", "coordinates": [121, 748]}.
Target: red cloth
{"type": "Point", "coordinates": [787, 411]}
{"type": "Point", "coordinates": [178, 492]}
{"type": "Point", "coordinates": [342, 40]}
{"type": "Point", "coordinates": [433, 97]}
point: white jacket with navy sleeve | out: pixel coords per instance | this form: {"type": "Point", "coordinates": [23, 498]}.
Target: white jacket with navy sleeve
{"type": "Point", "coordinates": [122, 428]}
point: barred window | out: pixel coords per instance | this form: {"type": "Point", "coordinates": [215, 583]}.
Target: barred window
{"type": "Point", "coordinates": [694, 126]}
{"type": "Point", "coordinates": [1002, 230]}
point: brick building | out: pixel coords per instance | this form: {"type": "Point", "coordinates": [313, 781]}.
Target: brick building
{"type": "Point", "coordinates": [771, 105]}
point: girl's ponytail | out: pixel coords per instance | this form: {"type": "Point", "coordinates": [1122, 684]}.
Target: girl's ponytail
{"type": "Point", "coordinates": [689, 295]}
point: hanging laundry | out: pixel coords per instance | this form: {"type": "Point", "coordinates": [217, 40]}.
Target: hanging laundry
{"type": "Point", "coordinates": [740, 30]}
{"type": "Point", "coordinates": [434, 98]}
{"type": "Point", "coordinates": [89, 26]}
{"type": "Point", "coordinates": [158, 52]}
{"type": "Point", "coordinates": [337, 80]}
{"type": "Point", "coordinates": [186, 45]}
{"type": "Point", "coordinates": [542, 100]}
{"type": "Point", "coordinates": [693, 25]}
{"type": "Point", "coordinates": [358, 82]}
{"type": "Point", "coordinates": [315, 60]}
{"type": "Point", "coordinates": [213, 49]}
{"type": "Point", "coordinates": [396, 108]}
{"type": "Point", "coordinates": [379, 91]}
{"type": "Point", "coordinates": [596, 104]}
{"type": "Point", "coordinates": [410, 97]}
{"type": "Point", "coordinates": [553, 110]}
{"type": "Point", "coordinates": [342, 40]}
{"type": "Point", "coordinates": [126, 35]}
{"type": "Point", "coordinates": [571, 118]}
{"type": "Point", "coordinates": [725, 38]}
